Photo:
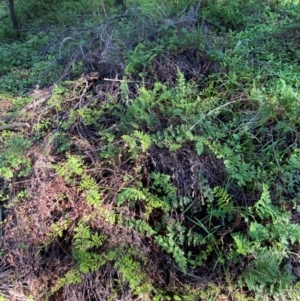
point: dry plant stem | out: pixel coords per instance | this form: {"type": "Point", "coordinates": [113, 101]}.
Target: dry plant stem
{"type": "Point", "coordinates": [14, 125]}
{"type": "Point", "coordinates": [124, 80]}
{"type": "Point", "coordinates": [212, 111]}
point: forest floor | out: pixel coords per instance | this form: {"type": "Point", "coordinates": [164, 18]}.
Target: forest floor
{"type": "Point", "coordinates": [150, 152]}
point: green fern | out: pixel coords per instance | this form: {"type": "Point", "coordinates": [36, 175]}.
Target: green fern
{"type": "Point", "coordinates": [173, 137]}
{"type": "Point", "coordinates": [140, 226]}
{"type": "Point", "coordinates": [163, 186]}
{"type": "Point", "coordinates": [278, 234]}
{"type": "Point", "coordinates": [168, 244]}
{"type": "Point", "coordinates": [83, 242]}
{"type": "Point", "coordinates": [88, 262]}
{"type": "Point", "coordinates": [90, 116]}
{"type": "Point", "coordinates": [139, 113]}
{"type": "Point", "coordinates": [242, 244]}
{"type": "Point", "coordinates": [236, 167]}
{"type": "Point", "coordinates": [199, 147]}
{"type": "Point", "coordinates": [71, 277]}
{"type": "Point", "coordinates": [265, 272]}
{"type": "Point", "coordinates": [291, 175]}
{"type": "Point", "coordinates": [268, 242]}
{"type": "Point", "coordinates": [181, 203]}
{"type": "Point", "coordinates": [70, 169]}
{"type": "Point", "coordinates": [225, 205]}
{"type": "Point", "coordinates": [132, 195]}
{"type": "Point", "coordinates": [84, 239]}
{"type": "Point", "coordinates": [144, 140]}
{"type": "Point", "coordinates": [195, 239]}
{"type": "Point", "coordinates": [131, 270]}
{"type": "Point", "coordinates": [264, 208]}
{"type": "Point", "coordinates": [66, 125]}
{"type": "Point", "coordinates": [89, 187]}
{"type": "Point", "coordinates": [137, 143]}
{"type": "Point", "coordinates": [12, 156]}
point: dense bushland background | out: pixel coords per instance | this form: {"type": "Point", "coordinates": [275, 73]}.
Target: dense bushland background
{"type": "Point", "coordinates": [152, 152]}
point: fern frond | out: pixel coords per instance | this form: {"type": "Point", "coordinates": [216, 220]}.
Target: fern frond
{"type": "Point", "coordinates": [195, 239]}
{"type": "Point", "coordinates": [170, 246]}
{"type": "Point", "coordinates": [263, 207]}
{"type": "Point", "coordinates": [130, 194]}
{"type": "Point", "coordinates": [90, 189]}
{"type": "Point", "coordinates": [141, 227]}
{"type": "Point", "coordinates": [243, 246]}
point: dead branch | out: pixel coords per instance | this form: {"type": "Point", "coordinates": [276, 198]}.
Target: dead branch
{"type": "Point", "coordinates": [14, 125]}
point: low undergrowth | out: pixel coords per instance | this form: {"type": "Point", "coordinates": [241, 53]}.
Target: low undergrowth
{"type": "Point", "coordinates": [168, 170]}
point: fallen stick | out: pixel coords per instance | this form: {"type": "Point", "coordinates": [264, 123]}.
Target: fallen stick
{"type": "Point", "coordinates": [14, 125]}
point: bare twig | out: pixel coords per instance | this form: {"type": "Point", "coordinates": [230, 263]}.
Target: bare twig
{"type": "Point", "coordinates": [14, 125]}
{"type": "Point", "coordinates": [124, 80]}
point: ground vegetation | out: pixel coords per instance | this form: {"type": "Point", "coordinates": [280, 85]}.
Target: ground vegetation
{"type": "Point", "coordinates": [150, 150]}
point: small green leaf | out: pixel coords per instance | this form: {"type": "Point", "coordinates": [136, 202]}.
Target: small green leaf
{"type": "Point", "coordinates": [199, 148]}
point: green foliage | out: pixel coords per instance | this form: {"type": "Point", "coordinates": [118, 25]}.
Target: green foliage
{"type": "Point", "coordinates": [242, 244]}
{"type": "Point", "coordinates": [231, 198]}
{"type": "Point", "coordinates": [225, 205]}
{"type": "Point", "coordinates": [170, 245]}
{"type": "Point", "coordinates": [22, 65]}
{"type": "Point", "coordinates": [291, 173]}
{"type": "Point", "coordinates": [265, 272]}
{"type": "Point", "coordinates": [85, 245]}
{"type": "Point", "coordinates": [83, 242]}
{"type": "Point", "coordinates": [58, 228]}
{"type": "Point", "coordinates": [151, 201]}
{"type": "Point", "coordinates": [236, 167]}
{"type": "Point", "coordinates": [74, 172]}
{"type": "Point", "coordinates": [140, 226]}
{"type": "Point", "coordinates": [13, 160]}
{"type": "Point", "coordinates": [172, 39]}
{"type": "Point", "coordinates": [70, 169]}
{"type": "Point", "coordinates": [139, 113]}
{"type": "Point", "coordinates": [60, 140]}
{"type": "Point", "coordinates": [131, 271]}
{"type": "Point", "coordinates": [146, 110]}
{"type": "Point", "coordinates": [138, 143]}
{"type": "Point", "coordinates": [174, 137]}
{"type": "Point", "coordinates": [288, 101]}
{"type": "Point", "coordinates": [264, 208]}
{"type": "Point", "coordinates": [91, 191]}
{"type": "Point", "coordinates": [162, 186]}
{"type": "Point", "coordinates": [71, 277]}
{"type": "Point", "coordinates": [269, 244]}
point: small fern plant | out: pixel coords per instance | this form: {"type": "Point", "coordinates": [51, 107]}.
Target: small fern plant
{"type": "Point", "coordinates": [268, 242]}
{"type": "Point", "coordinates": [74, 172]}
{"type": "Point", "coordinates": [137, 143]}
{"type": "Point", "coordinates": [132, 196]}
{"type": "Point", "coordinates": [70, 169]}
{"type": "Point", "coordinates": [127, 262]}
{"type": "Point", "coordinates": [89, 187]}
{"type": "Point", "coordinates": [12, 156]}
{"type": "Point", "coordinates": [83, 242]}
